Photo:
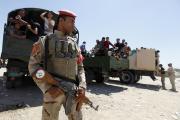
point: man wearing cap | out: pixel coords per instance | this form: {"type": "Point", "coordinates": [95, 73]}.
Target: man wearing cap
{"type": "Point", "coordinates": [171, 74]}
{"type": "Point", "coordinates": [162, 73]}
{"type": "Point", "coordinates": [83, 48]}
{"type": "Point", "coordinates": [63, 64]}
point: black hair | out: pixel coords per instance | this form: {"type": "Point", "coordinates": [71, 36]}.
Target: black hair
{"type": "Point", "coordinates": [21, 10]}
{"type": "Point", "coordinates": [46, 15]}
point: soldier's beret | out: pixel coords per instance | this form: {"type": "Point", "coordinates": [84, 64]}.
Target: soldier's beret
{"type": "Point", "coordinates": [67, 13]}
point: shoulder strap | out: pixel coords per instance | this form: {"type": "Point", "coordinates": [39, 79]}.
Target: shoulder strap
{"type": "Point", "coordinates": [46, 52]}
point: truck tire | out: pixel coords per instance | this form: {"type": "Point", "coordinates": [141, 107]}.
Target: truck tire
{"type": "Point", "coordinates": [89, 76]}
{"type": "Point", "coordinates": [99, 78]}
{"type": "Point", "coordinates": [18, 82]}
{"type": "Point", "coordinates": [13, 84]}
{"type": "Point", "coordinates": [9, 84]}
{"type": "Point", "coordinates": [127, 77]}
{"type": "Point", "coordinates": [137, 78]}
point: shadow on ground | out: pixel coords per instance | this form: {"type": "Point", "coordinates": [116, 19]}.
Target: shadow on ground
{"type": "Point", "coordinates": [103, 88]}
{"type": "Point", "coordinates": [138, 85]}
{"type": "Point", "coordinates": [30, 95]}
{"type": "Point", "coordinates": [27, 95]}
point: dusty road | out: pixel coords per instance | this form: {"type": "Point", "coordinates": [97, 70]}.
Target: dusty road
{"type": "Point", "coordinates": [142, 101]}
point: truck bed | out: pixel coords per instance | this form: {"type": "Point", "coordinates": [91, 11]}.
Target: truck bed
{"type": "Point", "coordinates": [106, 63]}
{"type": "Point", "coordinates": [16, 49]}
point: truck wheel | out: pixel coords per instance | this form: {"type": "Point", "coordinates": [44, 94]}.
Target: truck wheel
{"type": "Point", "coordinates": [99, 78]}
{"type": "Point", "coordinates": [127, 77]}
{"type": "Point", "coordinates": [89, 76]}
{"type": "Point", "coordinates": [9, 84]}
{"type": "Point", "coordinates": [13, 83]}
{"type": "Point", "coordinates": [137, 78]}
{"type": "Point", "coordinates": [17, 82]}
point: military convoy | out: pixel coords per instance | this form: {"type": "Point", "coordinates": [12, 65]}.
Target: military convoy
{"type": "Point", "coordinates": [16, 53]}
{"type": "Point", "coordinates": [139, 63]}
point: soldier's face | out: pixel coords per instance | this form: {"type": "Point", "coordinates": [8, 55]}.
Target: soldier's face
{"type": "Point", "coordinates": [69, 24]}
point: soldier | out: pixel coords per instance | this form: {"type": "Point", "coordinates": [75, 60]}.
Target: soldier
{"type": "Point", "coordinates": [62, 65]}
{"type": "Point", "coordinates": [171, 74]}
{"type": "Point", "coordinates": [162, 73]}
{"type": "Point", "coordinates": [83, 48]}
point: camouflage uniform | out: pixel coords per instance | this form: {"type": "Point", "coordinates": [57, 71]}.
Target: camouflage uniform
{"type": "Point", "coordinates": [162, 72]}
{"type": "Point", "coordinates": [62, 60]}
{"type": "Point", "coordinates": [171, 74]}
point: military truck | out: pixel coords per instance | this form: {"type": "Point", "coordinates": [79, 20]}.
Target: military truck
{"type": "Point", "coordinates": [139, 63]}
{"type": "Point", "coordinates": [16, 52]}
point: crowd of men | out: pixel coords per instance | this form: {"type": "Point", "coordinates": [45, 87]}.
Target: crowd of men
{"type": "Point", "coordinates": [105, 47]}
{"type": "Point", "coordinates": [21, 27]}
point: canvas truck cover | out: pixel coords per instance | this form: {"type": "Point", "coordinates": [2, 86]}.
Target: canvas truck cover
{"type": "Point", "coordinates": [16, 49]}
{"type": "Point", "coordinates": [143, 59]}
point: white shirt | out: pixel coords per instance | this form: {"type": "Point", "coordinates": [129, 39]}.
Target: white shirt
{"type": "Point", "coordinates": [47, 29]}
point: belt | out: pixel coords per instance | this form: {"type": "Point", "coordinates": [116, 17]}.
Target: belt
{"type": "Point", "coordinates": [65, 78]}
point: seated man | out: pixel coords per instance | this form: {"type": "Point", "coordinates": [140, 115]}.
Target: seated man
{"type": "Point", "coordinates": [126, 50]}
{"type": "Point", "coordinates": [118, 46]}
{"type": "Point", "coordinates": [83, 48]}
{"type": "Point", "coordinates": [97, 47]}
{"type": "Point", "coordinates": [49, 23]}
{"type": "Point", "coordinates": [19, 18]}
{"type": "Point", "coordinates": [33, 31]}
{"type": "Point", "coordinates": [107, 43]}
{"type": "Point", "coordinates": [16, 32]}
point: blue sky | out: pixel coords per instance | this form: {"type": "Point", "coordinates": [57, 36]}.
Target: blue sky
{"type": "Point", "coordinates": [147, 23]}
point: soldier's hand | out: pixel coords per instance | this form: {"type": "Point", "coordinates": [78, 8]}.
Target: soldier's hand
{"type": "Point", "coordinates": [80, 98]}
{"type": "Point", "coordinates": [81, 91]}
{"type": "Point", "coordinates": [80, 95]}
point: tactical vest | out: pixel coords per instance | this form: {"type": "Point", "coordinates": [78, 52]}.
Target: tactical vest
{"type": "Point", "coordinates": [62, 56]}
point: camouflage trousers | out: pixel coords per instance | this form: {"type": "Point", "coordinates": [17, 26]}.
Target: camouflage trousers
{"type": "Point", "coordinates": [163, 81]}
{"type": "Point", "coordinates": [51, 109]}
{"type": "Point", "coordinates": [172, 80]}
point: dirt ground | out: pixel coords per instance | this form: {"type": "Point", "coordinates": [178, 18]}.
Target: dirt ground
{"type": "Point", "coordinates": [142, 101]}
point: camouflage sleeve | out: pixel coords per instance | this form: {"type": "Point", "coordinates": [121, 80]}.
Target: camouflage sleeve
{"type": "Point", "coordinates": [81, 72]}
{"type": "Point", "coordinates": [36, 57]}
{"type": "Point", "coordinates": [80, 68]}
{"type": "Point", "coordinates": [81, 75]}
